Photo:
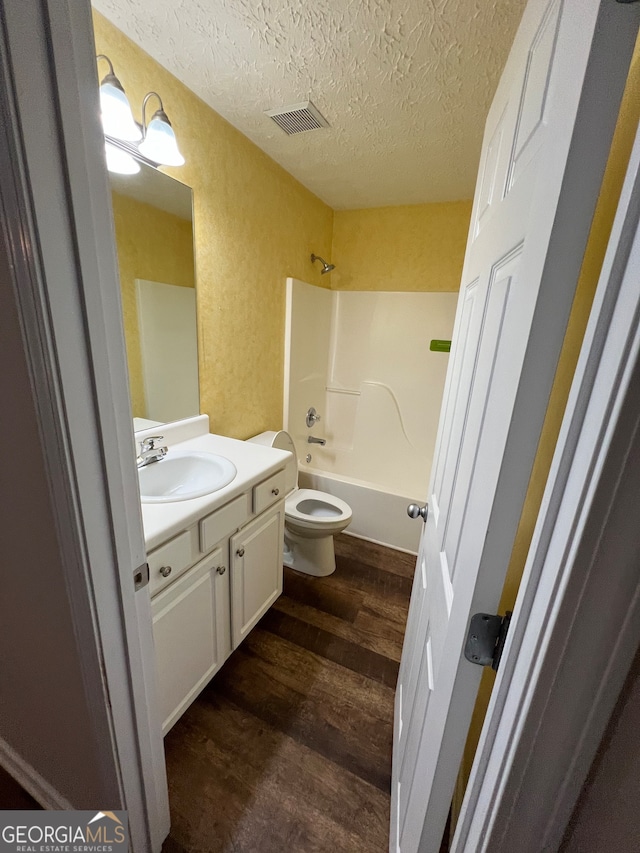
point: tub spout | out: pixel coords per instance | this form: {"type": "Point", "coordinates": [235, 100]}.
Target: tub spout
{"type": "Point", "coordinates": [313, 440]}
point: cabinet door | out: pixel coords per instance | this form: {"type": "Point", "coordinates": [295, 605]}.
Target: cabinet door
{"type": "Point", "coordinates": [256, 570]}
{"type": "Point", "coordinates": [187, 647]}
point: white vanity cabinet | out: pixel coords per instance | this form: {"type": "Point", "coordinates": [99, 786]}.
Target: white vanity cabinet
{"type": "Point", "coordinates": [186, 617]}
{"type": "Point", "coordinates": [256, 570]}
{"type": "Point", "coordinates": [209, 586]}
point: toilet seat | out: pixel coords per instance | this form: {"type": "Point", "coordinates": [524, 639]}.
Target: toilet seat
{"type": "Point", "coordinates": [310, 508]}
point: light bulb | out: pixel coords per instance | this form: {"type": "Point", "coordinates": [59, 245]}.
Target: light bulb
{"type": "Point", "coordinates": [117, 118]}
{"type": "Point", "coordinates": [159, 143]}
{"type": "Point", "coordinates": [120, 162]}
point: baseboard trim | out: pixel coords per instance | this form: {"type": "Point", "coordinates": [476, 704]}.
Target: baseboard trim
{"type": "Point", "coordinates": [379, 542]}
{"type": "Point", "coordinates": [32, 782]}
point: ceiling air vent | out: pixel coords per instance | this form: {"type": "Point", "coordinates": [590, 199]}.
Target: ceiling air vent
{"type": "Point", "coordinates": [298, 117]}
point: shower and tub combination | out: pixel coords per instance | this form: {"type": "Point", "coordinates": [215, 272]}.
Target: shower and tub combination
{"type": "Point", "coordinates": [362, 396]}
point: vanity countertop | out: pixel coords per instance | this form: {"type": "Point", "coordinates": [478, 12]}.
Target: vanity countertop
{"type": "Point", "coordinates": [254, 463]}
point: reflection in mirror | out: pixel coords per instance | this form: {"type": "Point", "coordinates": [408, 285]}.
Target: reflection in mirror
{"type": "Point", "coordinates": [154, 235]}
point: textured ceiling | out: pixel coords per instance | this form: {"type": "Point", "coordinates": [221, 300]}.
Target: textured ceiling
{"type": "Point", "coordinates": [404, 84]}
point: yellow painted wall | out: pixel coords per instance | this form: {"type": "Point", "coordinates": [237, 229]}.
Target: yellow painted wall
{"type": "Point", "coordinates": [254, 225]}
{"type": "Point", "coordinates": [413, 247]}
{"type": "Point", "coordinates": [153, 245]}
{"type": "Point", "coordinates": [626, 128]}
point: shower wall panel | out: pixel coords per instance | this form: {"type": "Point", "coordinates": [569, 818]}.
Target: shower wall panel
{"type": "Point", "coordinates": [380, 351]}
{"type": "Point", "coordinates": [306, 357]}
{"type": "Point", "coordinates": [383, 387]}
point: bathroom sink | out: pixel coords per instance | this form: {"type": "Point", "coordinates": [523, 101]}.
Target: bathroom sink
{"type": "Point", "coordinates": [182, 476]}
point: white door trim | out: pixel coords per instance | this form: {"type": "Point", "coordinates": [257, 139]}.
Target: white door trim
{"type": "Point", "coordinates": [576, 623]}
{"type": "Point", "coordinates": [69, 302]}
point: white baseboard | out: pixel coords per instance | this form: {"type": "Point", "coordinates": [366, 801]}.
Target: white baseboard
{"type": "Point", "coordinates": [29, 778]}
{"type": "Point", "coordinates": [380, 542]}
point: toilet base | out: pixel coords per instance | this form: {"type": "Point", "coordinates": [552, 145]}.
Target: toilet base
{"type": "Point", "coordinates": [311, 556]}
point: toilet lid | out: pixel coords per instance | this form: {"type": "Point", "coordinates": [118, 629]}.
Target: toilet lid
{"type": "Point", "coordinates": [283, 441]}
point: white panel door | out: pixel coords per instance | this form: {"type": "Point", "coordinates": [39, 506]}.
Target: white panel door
{"type": "Point", "coordinates": [546, 139]}
{"type": "Point", "coordinates": [169, 350]}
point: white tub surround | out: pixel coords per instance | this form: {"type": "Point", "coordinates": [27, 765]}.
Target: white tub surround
{"type": "Point", "coordinates": [215, 562]}
{"type": "Point", "coordinates": [353, 357]}
{"type": "Point", "coordinates": [306, 354]}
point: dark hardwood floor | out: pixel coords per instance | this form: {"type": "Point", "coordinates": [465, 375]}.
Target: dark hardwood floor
{"type": "Point", "coordinates": [289, 746]}
{"type": "Point", "coordinates": [12, 795]}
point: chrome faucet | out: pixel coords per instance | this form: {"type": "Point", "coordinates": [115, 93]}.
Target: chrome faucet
{"type": "Point", "coordinates": [149, 452]}
{"type": "Point", "coordinates": [312, 417]}
{"type": "Point", "coordinates": [313, 440]}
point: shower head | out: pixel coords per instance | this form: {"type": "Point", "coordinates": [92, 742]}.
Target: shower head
{"type": "Point", "coordinates": [325, 266]}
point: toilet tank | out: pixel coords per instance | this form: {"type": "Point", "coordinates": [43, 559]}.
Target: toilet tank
{"type": "Point", "coordinates": [281, 440]}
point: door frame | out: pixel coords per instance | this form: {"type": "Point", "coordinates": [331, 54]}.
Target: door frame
{"type": "Point", "coordinates": [576, 622]}
{"type": "Point", "coordinates": [53, 184]}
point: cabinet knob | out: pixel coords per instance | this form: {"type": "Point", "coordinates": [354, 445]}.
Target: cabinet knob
{"type": "Point", "coordinates": [240, 552]}
{"type": "Point", "coordinates": [275, 492]}
{"type": "Point", "coordinates": [221, 570]}
{"type": "Point", "coordinates": [165, 571]}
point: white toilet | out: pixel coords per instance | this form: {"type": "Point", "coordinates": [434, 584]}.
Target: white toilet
{"type": "Point", "coordinates": [311, 518]}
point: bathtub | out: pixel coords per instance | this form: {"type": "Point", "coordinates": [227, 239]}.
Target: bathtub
{"type": "Point", "coordinates": [378, 515]}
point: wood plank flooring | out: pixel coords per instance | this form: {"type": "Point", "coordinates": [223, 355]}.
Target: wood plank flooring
{"type": "Point", "coordinates": [289, 746]}
{"type": "Point", "coordinates": [13, 796]}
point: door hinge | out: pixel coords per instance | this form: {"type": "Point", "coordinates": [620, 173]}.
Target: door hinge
{"type": "Point", "coordinates": [486, 638]}
{"type": "Point", "coordinates": [141, 576]}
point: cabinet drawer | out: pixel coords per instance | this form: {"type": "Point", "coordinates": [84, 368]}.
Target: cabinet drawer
{"type": "Point", "coordinates": [168, 561]}
{"type": "Point", "coordinates": [222, 522]}
{"type": "Point", "coordinates": [268, 492]}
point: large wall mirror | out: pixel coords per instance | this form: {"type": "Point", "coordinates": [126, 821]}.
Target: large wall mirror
{"type": "Point", "coordinates": [154, 236]}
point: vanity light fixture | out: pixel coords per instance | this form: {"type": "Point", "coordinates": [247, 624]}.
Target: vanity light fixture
{"type": "Point", "coordinates": [155, 141]}
{"type": "Point", "coordinates": [117, 118]}
{"type": "Point", "coordinates": [159, 140]}
{"type": "Point", "coordinates": [120, 161]}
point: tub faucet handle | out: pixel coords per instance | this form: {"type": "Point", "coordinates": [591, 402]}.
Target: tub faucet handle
{"type": "Point", "coordinates": [312, 417]}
